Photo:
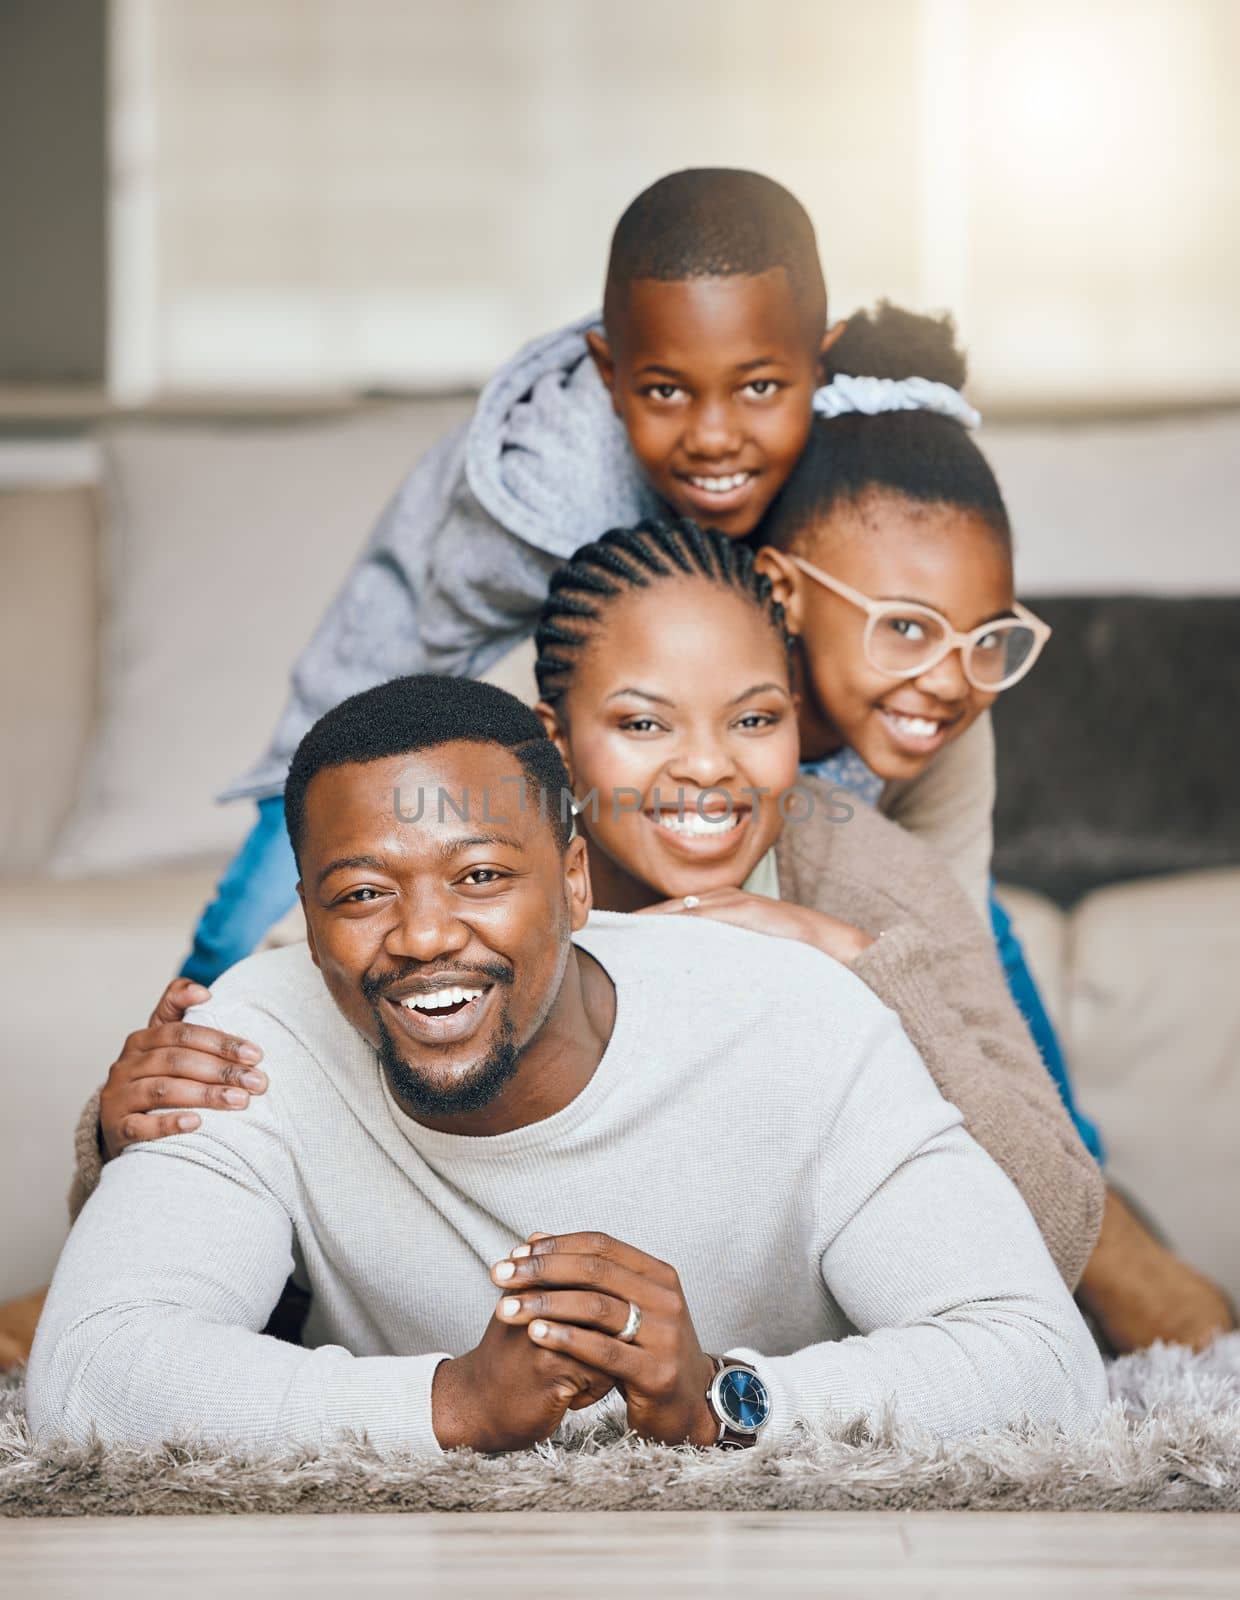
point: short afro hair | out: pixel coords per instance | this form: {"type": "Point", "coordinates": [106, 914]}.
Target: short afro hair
{"type": "Point", "coordinates": [408, 715]}
{"type": "Point", "coordinates": [715, 222]}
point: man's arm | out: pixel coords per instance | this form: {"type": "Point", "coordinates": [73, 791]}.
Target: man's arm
{"type": "Point", "coordinates": [924, 1245]}
{"type": "Point", "coordinates": [947, 989]}
{"type": "Point", "coordinates": [151, 1328]}
{"type": "Point", "coordinates": [933, 1257]}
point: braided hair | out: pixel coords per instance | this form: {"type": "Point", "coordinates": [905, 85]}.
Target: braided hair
{"type": "Point", "coordinates": [633, 558]}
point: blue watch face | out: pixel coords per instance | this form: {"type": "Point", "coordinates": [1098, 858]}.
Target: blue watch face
{"type": "Point", "coordinates": [743, 1399]}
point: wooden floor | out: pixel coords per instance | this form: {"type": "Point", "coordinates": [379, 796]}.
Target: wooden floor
{"type": "Point", "coordinates": [624, 1556]}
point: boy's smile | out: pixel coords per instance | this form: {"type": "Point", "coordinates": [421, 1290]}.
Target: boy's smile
{"type": "Point", "coordinates": [714, 380]}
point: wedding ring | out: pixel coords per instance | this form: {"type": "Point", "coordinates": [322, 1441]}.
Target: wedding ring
{"type": "Point", "coordinates": [633, 1326]}
{"type": "Point", "coordinates": [690, 901]}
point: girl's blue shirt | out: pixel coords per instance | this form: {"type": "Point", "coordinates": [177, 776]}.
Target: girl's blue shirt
{"type": "Point", "coordinates": [845, 769]}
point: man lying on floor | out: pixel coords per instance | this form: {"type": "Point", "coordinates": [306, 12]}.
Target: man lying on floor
{"type": "Point", "coordinates": [745, 1205]}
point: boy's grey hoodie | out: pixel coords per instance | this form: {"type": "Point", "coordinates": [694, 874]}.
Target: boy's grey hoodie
{"type": "Point", "coordinates": [457, 569]}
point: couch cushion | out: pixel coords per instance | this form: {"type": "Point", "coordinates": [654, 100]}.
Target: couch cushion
{"type": "Point", "coordinates": [1142, 504]}
{"type": "Point", "coordinates": [1154, 1041]}
{"type": "Point", "coordinates": [515, 672]}
{"type": "Point", "coordinates": [47, 644]}
{"type": "Point", "coordinates": [83, 964]}
{"type": "Point", "coordinates": [221, 548]}
{"type": "Point", "coordinates": [1115, 756]}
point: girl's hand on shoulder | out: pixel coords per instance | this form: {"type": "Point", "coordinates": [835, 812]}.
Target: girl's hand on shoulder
{"type": "Point", "coordinates": [171, 1066]}
{"type": "Point", "coordinates": [779, 918]}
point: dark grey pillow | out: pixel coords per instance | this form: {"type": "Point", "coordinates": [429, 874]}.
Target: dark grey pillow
{"type": "Point", "coordinates": [1119, 755]}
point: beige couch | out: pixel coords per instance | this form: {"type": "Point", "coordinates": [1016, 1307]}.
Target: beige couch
{"type": "Point", "coordinates": [154, 586]}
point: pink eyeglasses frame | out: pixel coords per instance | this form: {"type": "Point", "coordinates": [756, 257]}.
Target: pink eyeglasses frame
{"type": "Point", "coordinates": [952, 639]}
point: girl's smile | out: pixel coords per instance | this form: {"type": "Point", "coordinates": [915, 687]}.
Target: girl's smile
{"type": "Point", "coordinates": [917, 733]}
{"type": "Point", "coordinates": [889, 548]}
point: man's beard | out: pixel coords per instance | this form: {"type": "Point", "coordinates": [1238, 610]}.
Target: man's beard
{"type": "Point", "coordinates": [484, 1083]}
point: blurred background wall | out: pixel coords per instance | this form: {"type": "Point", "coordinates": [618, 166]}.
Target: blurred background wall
{"type": "Point", "coordinates": [54, 189]}
{"type": "Point", "coordinates": [309, 195]}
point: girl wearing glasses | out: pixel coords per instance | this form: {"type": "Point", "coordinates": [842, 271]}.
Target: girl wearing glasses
{"type": "Point", "coordinates": [891, 551]}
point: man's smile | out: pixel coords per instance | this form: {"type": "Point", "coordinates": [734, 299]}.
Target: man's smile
{"type": "Point", "coordinates": [447, 1006]}
{"type": "Point", "coordinates": [446, 1014]}
{"type": "Point", "coordinates": [440, 1000]}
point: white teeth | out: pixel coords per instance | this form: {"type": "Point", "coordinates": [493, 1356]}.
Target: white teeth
{"type": "Point", "coordinates": [440, 999]}
{"type": "Point", "coordinates": [915, 727]}
{"type": "Point", "coordinates": [721, 485]}
{"type": "Point", "coordinates": [691, 822]}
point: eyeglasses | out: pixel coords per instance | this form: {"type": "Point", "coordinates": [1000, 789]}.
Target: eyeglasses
{"type": "Point", "coordinates": [903, 639]}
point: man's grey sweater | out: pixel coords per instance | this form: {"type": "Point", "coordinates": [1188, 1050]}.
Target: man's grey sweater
{"type": "Point", "coordinates": [758, 1119]}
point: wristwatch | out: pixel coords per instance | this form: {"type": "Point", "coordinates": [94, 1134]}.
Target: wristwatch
{"type": "Point", "coordinates": [739, 1401]}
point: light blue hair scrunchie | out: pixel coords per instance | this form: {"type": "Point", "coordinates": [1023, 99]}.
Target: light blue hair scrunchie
{"type": "Point", "coordinates": [873, 395]}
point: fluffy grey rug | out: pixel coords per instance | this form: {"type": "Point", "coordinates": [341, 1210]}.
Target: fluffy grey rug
{"type": "Point", "coordinates": [1169, 1442]}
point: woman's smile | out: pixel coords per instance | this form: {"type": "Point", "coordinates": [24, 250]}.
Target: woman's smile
{"type": "Point", "coordinates": [681, 699]}
{"type": "Point", "coordinates": [690, 833]}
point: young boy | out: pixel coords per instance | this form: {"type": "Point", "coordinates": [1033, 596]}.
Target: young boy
{"type": "Point", "coordinates": [695, 393]}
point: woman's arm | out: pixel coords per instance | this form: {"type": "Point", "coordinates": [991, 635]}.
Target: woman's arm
{"type": "Point", "coordinates": [951, 807]}
{"type": "Point", "coordinates": [163, 1073]}
{"type": "Point", "coordinates": [949, 995]}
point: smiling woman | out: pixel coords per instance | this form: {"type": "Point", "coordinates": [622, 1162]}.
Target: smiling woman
{"type": "Point", "coordinates": [663, 663]}
{"type": "Point", "coordinates": [643, 700]}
